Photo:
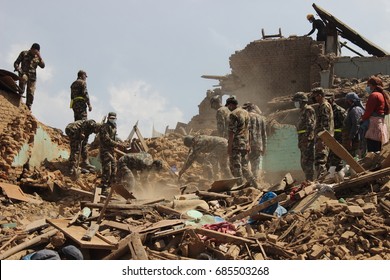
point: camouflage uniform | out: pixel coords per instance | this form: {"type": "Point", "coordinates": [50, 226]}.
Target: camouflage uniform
{"type": "Point", "coordinates": [107, 142]}
{"type": "Point", "coordinates": [339, 115]}
{"type": "Point", "coordinates": [28, 74]}
{"type": "Point", "coordinates": [216, 147]}
{"type": "Point", "coordinates": [78, 133]}
{"type": "Point", "coordinates": [223, 121]}
{"type": "Point", "coordinates": [239, 143]}
{"type": "Point", "coordinates": [257, 140]}
{"type": "Point", "coordinates": [324, 121]}
{"type": "Point", "coordinates": [305, 130]}
{"type": "Point", "coordinates": [79, 99]}
{"type": "Point", "coordinates": [130, 163]}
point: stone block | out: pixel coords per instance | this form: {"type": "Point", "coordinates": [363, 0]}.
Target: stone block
{"type": "Point", "coordinates": [355, 211]}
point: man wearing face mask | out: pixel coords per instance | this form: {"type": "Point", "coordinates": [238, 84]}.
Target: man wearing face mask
{"type": "Point", "coordinates": [376, 109]}
{"type": "Point", "coordinates": [324, 121]}
{"type": "Point", "coordinates": [108, 142]}
{"type": "Point", "coordinates": [305, 130]}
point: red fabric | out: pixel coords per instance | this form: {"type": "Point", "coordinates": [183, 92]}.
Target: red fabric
{"type": "Point", "coordinates": [224, 227]}
{"type": "Point", "coordinates": [375, 103]}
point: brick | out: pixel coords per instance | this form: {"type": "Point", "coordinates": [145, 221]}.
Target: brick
{"type": "Point", "coordinates": [317, 252]}
{"type": "Point", "coordinates": [356, 211]}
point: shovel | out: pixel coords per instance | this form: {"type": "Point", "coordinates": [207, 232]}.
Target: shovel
{"type": "Point", "coordinates": [77, 170]}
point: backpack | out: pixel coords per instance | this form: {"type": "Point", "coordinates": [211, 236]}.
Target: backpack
{"type": "Point", "coordinates": [386, 95]}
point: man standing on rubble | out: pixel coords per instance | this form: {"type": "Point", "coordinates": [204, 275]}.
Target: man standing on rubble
{"type": "Point", "coordinates": [78, 133]}
{"type": "Point", "coordinates": [257, 138]}
{"type": "Point", "coordinates": [222, 116]}
{"type": "Point", "coordinates": [107, 143]}
{"type": "Point", "coordinates": [324, 121]}
{"type": "Point", "coordinates": [29, 60]}
{"type": "Point", "coordinates": [130, 164]}
{"type": "Point", "coordinates": [318, 25]}
{"type": "Point", "coordinates": [215, 147]}
{"type": "Point", "coordinates": [339, 115]}
{"type": "Point", "coordinates": [79, 98]}
{"type": "Point", "coordinates": [238, 143]}
{"type": "Point", "coordinates": [305, 131]}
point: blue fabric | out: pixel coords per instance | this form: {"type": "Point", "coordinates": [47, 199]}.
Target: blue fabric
{"type": "Point", "coordinates": [270, 209]}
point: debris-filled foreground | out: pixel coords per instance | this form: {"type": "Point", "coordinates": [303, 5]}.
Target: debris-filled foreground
{"type": "Point", "coordinates": [195, 218]}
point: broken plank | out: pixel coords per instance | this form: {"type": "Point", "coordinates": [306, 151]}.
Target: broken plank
{"type": "Point", "coordinates": [165, 255]}
{"type": "Point", "coordinates": [15, 192]}
{"type": "Point", "coordinates": [76, 233]}
{"type": "Point", "coordinates": [222, 237]}
{"type": "Point", "coordinates": [212, 195]}
{"type": "Point", "coordinates": [340, 151]}
{"type": "Point", "coordinates": [118, 206]}
{"type": "Point", "coordinates": [258, 208]}
{"type": "Point", "coordinates": [136, 247]}
{"type": "Point", "coordinates": [362, 179]}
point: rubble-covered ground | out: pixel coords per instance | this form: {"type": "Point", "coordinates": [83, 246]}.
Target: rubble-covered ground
{"type": "Point", "coordinates": [193, 218]}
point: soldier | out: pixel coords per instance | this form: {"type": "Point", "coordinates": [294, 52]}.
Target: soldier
{"type": "Point", "coordinates": [257, 137]}
{"type": "Point", "coordinates": [78, 133]}
{"type": "Point", "coordinates": [108, 142]}
{"type": "Point", "coordinates": [79, 98]}
{"type": "Point", "coordinates": [215, 146]}
{"type": "Point", "coordinates": [130, 164]}
{"type": "Point", "coordinates": [339, 115]}
{"type": "Point", "coordinates": [352, 133]}
{"type": "Point", "coordinates": [222, 116]}
{"type": "Point", "coordinates": [305, 130]}
{"type": "Point", "coordinates": [29, 60]}
{"type": "Point", "coordinates": [238, 142]}
{"type": "Point", "coordinates": [324, 121]}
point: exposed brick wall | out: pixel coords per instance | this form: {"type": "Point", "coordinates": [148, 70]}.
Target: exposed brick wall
{"type": "Point", "coordinates": [9, 108]}
{"type": "Point", "coordinates": [271, 68]}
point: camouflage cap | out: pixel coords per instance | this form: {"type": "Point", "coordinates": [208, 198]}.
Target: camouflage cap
{"type": "Point", "coordinates": [112, 115]}
{"type": "Point", "coordinates": [318, 90]}
{"type": "Point", "coordinates": [300, 96]}
{"type": "Point", "coordinates": [36, 46]}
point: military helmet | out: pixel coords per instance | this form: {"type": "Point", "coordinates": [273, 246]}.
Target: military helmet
{"type": "Point", "coordinates": [187, 140]}
{"type": "Point", "coordinates": [112, 115]}
{"type": "Point", "coordinates": [318, 90]}
{"type": "Point", "coordinates": [300, 96]}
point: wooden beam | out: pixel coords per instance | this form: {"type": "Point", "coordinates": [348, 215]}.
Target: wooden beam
{"type": "Point", "coordinates": [136, 247]}
{"type": "Point", "coordinates": [223, 237]}
{"type": "Point", "coordinates": [362, 179]}
{"type": "Point", "coordinates": [340, 151]}
{"type": "Point", "coordinates": [258, 208]}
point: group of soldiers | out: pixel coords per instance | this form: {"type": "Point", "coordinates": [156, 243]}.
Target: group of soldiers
{"type": "Point", "coordinates": [241, 140]}
{"type": "Point", "coordinates": [342, 124]}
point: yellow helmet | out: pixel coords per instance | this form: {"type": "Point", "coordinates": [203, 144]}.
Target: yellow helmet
{"type": "Point", "coordinates": [309, 16]}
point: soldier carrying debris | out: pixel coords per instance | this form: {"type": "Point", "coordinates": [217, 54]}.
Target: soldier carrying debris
{"type": "Point", "coordinates": [130, 164]}
{"type": "Point", "coordinates": [238, 143]}
{"type": "Point", "coordinates": [78, 133]}
{"type": "Point", "coordinates": [108, 142]}
{"type": "Point", "coordinates": [29, 60]}
{"type": "Point", "coordinates": [305, 130]}
{"type": "Point", "coordinates": [215, 146]}
{"type": "Point", "coordinates": [79, 98]}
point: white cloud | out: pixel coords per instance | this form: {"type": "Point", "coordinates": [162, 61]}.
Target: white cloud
{"type": "Point", "coordinates": [139, 101]}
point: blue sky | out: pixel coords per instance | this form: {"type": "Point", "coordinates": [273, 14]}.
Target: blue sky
{"type": "Point", "coordinates": [145, 58]}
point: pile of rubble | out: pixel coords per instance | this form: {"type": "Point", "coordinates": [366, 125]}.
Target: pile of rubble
{"type": "Point", "coordinates": [191, 218]}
